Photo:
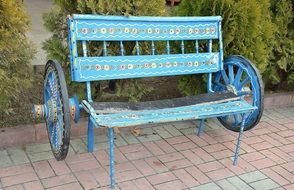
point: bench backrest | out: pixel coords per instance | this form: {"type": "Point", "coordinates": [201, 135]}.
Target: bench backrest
{"type": "Point", "coordinates": [200, 32]}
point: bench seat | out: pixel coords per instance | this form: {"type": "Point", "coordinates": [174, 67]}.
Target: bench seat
{"type": "Point", "coordinates": [123, 114]}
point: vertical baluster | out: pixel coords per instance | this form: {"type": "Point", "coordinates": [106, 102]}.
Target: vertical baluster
{"type": "Point", "coordinates": [104, 48]}
{"type": "Point", "coordinates": [197, 46]}
{"type": "Point", "coordinates": [220, 45]}
{"type": "Point", "coordinates": [209, 47]}
{"type": "Point", "coordinates": [121, 48]}
{"type": "Point", "coordinates": [84, 44]}
{"type": "Point", "coordinates": [88, 84]}
{"type": "Point", "coordinates": [152, 47]}
{"type": "Point", "coordinates": [167, 47]}
{"type": "Point", "coordinates": [183, 46]}
{"type": "Point", "coordinates": [209, 80]}
{"type": "Point", "coordinates": [137, 48]}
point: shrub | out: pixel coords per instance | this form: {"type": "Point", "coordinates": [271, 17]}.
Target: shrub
{"type": "Point", "coordinates": [15, 55]}
{"type": "Point", "coordinates": [56, 46]}
{"type": "Point", "coordinates": [280, 73]}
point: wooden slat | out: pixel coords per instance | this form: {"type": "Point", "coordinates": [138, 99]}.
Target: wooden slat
{"type": "Point", "coordinates": [129, 30]}
{"type": "Point", "coordinates": [117, 107]}
{"type": "Point", "coordinates": [119, 67]}
{"type": "Point", "coordinates": [134, 118]}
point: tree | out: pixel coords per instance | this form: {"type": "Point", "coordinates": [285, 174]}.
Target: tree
{"type": "Point", "coordinates": [56, 46]}
{"type": "Point", "coordinates": [15, 55]}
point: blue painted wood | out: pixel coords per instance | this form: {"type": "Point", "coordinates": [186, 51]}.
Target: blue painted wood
{"type": "Point", "coordinates": [197, 46]}
{"type": "Point", "coordinates": [137, 48]}
{"type": "Point", "coordinates": [111, 156]}
{"type": "Point", "coordinates": [90, 136]}
{"type": "Point", "coordinates": [182, 46]}
{"type": "Point", "coordinates": [167, 47]}
{"type": "Point", "coordinates": [145, 18]}
{"type": "Point", "coordinates": [236, 155]}
{"type": "Point", "coordinates": [153, 47]}
{"type": "Point", "coordinates": [118, 67]}
{"type": "Point", "coordinates": [201, 127]}
{"type": "Point", "coordinates": [173, 114]}
{"type": "Point", "coordinates": [130, 31]}
{"type": "Point", "coordinates": [104, 48]}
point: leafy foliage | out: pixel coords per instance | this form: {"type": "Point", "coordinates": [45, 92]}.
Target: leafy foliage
{"type": "Point", "coordinates": [280, 73]}
{"type": "Point", "coordinates": [56, 46]}
{"type": "Point", "coordinates": [15, 55]}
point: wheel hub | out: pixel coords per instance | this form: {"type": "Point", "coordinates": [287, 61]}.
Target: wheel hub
{"type": "Point", "coordinates": [51, 111]}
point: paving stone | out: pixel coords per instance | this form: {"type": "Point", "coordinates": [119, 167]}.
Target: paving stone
{"type": "Point", "coordinates": [237, 182]}
{"type": "Point", "coordinates": [176, 185]}
{"type": "Point", "coordinates": [127, 185]}
{"type": "Point", "coordinates": [147, 138]}
{"type": "Point", "coordinates": [172, 130]}
{"type": "Point", "coordinates": [279, 188]}
{"type": "Point", "coordinates": [144, 167]}
{"type": "Point", "coordinates": [153, 148]}
{"type": "Point", "coordinates": [128, 175]}
{"type": "Point", "coordinates": [101, 146]}
{"type": "Point", "coordinates": [184, 125]}
{"type": "Point", "coordinates": [86, 179]}
{"type": "Point", "coordinates": [147, 131]}
{"type": "Point", "coordinates": [43, 169]}
{"type": "Point", "coordinates": [78, 145]}
{"type": "Point", "coordinates": [186, 178]}
{"type": "Point", "coordinates": [264, 184]}
{"type": "Point", "coordinates": [252, 176]}
{"type": "Point", "coordinates": [101, 138]}
{"type": "Point", "coordinates": [224, 184]}
{"type": "Point", "coordinates": [72, 186]}
{"type": "Point", "coordinates": [160, 130]}
{"type": "Point", "coordinates": [188, 131]}
{"type": "Point", "coordinates": [161, 178]}
{"type": "Point", "coordinates": [18, 179]}
{"type": "Point", "coordinates": [36, 148]}
{"type": "Point", "coordinates": [59, 167]}
{"type": "Point", "coordinates": [129, 138]}
{"type": "Point", "coordinates": [70, 151]}
{"type": "Point", "coordinates": [18, 156]}
{"type": "Point", "coordinates": [143, 184]}
{"type": "Point", "coordinates": [34, 157]}
{"type": "Point", "coordinates": [210, 186]}
{"type": "Point", "coordinates": [14, 187]}
{"type": "Point", "coordinates": [289, 187]}
{"type": "Point", "coordinates": [197, 174]}
{"type": "Point", "coordinates": [58, 180]}
{"type": "Point", "coordinates": [34, 185]}
{"type": "Point", "coordinates": [119, 141]}
{"type": "Point", "coordinates": [5, 161]}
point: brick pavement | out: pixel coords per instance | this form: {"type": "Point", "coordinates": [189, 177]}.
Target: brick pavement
{"type": "Point", "coordinates": [166, 156]}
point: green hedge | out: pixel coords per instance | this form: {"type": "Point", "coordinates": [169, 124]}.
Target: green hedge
{"type": "Point", "coordinates": [15, 56]}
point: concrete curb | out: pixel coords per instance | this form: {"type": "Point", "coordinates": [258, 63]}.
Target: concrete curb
{"type": "Point", "coordinates": [36, 133]}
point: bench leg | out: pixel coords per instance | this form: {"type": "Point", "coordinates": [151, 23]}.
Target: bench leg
{"type": "Point", "coordinates": [111, 156]}
{"type": "Point", "coordinates": [90, 136]}
{"type": "Point", "coordinates": [239, 142]}
{"type": "Point", "coordinates": [200, 128]}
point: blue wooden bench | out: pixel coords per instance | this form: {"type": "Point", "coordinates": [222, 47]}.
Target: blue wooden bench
{"type": "Point", "coordinates": [234, 86]}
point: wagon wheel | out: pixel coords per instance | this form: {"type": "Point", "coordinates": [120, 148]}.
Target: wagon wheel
{"type": "Point", "coordinates": [56, 109]}
{"type": "Point", "coordinates": [241, 77]}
